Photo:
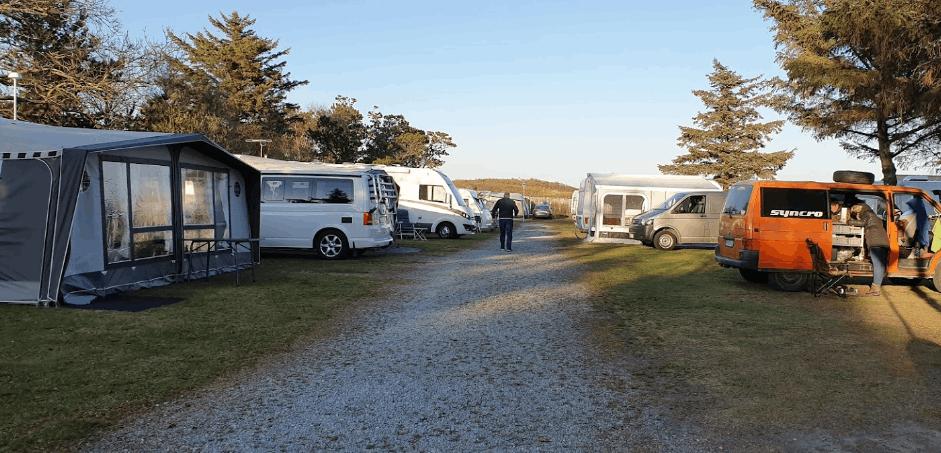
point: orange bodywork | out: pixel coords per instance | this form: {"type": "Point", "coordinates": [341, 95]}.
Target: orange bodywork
{"type": "Point", "coordinates": [750, 240]}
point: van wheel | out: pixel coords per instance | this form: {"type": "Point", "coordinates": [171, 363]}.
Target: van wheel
{"type": "Point", "coordinates": [789, 281]}
{"type": "Point", "coordinates": [446, 231]}
{"type": "Point", "coordinates": [753, 276]}
{"type": "Point", "coordinates": [936, 280]}
{"type": "Point", "coordinates": [664, 240]}
{"type": "Point", "coordinates": [331, 245]}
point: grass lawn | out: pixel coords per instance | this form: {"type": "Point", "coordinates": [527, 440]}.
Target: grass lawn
{"type": "Point", "coordinates": [65, 373]}
{"type": "Point", "coordinates": [742, 359]}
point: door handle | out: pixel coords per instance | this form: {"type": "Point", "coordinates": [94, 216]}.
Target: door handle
{"type": "Point", "coordinates": [826, 226]}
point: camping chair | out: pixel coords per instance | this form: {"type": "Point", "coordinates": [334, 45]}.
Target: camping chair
{"type": "Point", "coordinates": [405, 227]}
{"type": "Point", "coordinates": [826, 277]}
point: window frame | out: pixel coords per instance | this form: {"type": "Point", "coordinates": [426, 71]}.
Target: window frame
{"type": "Point", "coordinates": [184, 226]}
{"type": "Point", "coordinates": [133, 260]}
{"type": "Point", "coordinates": [686, 199]}
{"type": "Point", "coordinates": [444, 190]}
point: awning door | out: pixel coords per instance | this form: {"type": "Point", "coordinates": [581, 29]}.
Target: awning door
{"type": "Point", "coordinates": [25, 188]}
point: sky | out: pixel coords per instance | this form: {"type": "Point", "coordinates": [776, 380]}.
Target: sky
{"type": "Point", "coordinates": [543, 89]}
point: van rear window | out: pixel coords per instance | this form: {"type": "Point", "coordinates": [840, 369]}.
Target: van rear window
{"type": "Point", "coordinates": [736, 203]}
{"type": "Point", "coordinates": [794, 203]}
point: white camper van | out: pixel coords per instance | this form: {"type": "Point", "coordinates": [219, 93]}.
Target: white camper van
{"type": "Point", "coordinates": [336, 209]}
{"type": "Point", "coordinates": [609, 202]}
{"type": "Point", "coordinates": [478, 209]}
{"type": "Point", "coordinates": [432, 201]}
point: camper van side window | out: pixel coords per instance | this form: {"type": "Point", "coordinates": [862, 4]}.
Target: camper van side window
{"type": "Point", "coordinates": [432, 193]}
{"type": "Point", "coordinates": [297, 189]}
{"type": "Point", "coordinates": [695, 204]}
{"type": "Point", "coordinates": [334, 190]}
{"type": "Point", "coordinates": [272, 189]}
{"type": "Point", "coordinates": [795, 203]}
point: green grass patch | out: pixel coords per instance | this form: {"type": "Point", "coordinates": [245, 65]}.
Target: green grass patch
{"type": "Point", "coordinates": [743, 359]}
{"type": "Point", "coordinates": [66, 373]}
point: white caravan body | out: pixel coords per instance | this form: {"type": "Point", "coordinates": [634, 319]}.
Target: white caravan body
{"type": "Point", "coordinates": [609, 202]}
{"type": "Point", "coordinates": [301, 202]}
{"type": "Point", "coordinates": [432, 201]}
{"type": "Point", "coordinates": [478, 209]}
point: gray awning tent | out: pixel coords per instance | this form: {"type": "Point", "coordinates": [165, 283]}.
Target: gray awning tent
{"type": "Point", "coordinates": [86, 213]}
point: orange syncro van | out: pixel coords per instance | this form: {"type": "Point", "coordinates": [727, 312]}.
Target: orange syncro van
{"type": "Point", "coordinates": [765, 224]}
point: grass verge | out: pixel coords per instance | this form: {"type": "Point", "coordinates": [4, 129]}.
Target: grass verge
{"type": "Point", "coordinates": [742, 359]}
{"type": "Point", "coordinates": [65, 373]}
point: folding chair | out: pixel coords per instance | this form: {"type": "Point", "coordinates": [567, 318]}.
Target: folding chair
{"type": "Point", "coordinates": [827, 277]}
{"type": "Point", "coordinates": [405, 227]}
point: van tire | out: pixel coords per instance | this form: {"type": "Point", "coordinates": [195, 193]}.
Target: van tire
{"type": "Point", "coordinates": [331, 245]}
{"type": "Point", "coordinates": [789, 281]}
{"type": "Point", "coordinates": [936, 278]}
{"type": "Point", "coordinates": [854, 177]}
{"type": "Point", "coordinates": [753, 276]}
{"type": "Point", "coordinates": [664, 240]}
{"type": "Point", "coordinates": [446, 231]}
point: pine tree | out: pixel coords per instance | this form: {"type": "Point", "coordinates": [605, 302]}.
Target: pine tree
{"type": "Point", "coordinates": [864, 72]}
{"type": "Point", "coordinates": [242, 72]}
{"type": "Point", "coordinates": [339, 132]}
{"type": "Point", "coordinates": [729, 134]}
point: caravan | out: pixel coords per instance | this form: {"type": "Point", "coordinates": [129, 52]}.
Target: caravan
{"type": "Point", "coordinates": [336, 209]}
{"type": "Point", "coordinates": [432, 201]}
{"type": "Point", "coordinates": [609, 202]}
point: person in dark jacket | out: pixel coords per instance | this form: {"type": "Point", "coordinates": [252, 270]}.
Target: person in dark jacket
{"type": "Point", "coordinates": [877, 241]}
{"type": "Point", "coordinates": [505, 209]}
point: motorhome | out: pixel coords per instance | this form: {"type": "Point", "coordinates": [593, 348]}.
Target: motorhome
{"type": "Point", "coordinates": [610, 201]}
{"type": "Point", "coordinates": [335, 209]}
{"type": "Point", "coordinates": [765, 226]}
{"type": "Point", "coordinates": [687, 218]}
{"type": "Point", "coordinates": [432, 201]}
{"type": "Point", "coordinates": [481, 214]}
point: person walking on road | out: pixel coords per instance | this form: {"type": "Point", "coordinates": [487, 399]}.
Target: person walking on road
{"type": "Point", "coordinates": [505, 209]}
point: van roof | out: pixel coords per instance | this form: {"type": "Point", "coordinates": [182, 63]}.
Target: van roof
{"type": "Point", "coordinates": [828, 185]}
{"type": "Point", "coordinates": [682, 182]}
{"type": "Point", "coordinates": [266, 165]}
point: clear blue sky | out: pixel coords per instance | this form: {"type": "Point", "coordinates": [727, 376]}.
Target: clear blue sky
{"type": "Point", "coordinates": [545, 89]}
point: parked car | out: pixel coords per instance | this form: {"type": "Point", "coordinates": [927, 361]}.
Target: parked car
{"type": "Point", "coordinates": [764, 226]}
{"type": "Point", "coordinates": [335, 209]}
{"type": "Point", "coordinates": [542, 211]}
{"type": "Point", "coordinates": [685, 218]}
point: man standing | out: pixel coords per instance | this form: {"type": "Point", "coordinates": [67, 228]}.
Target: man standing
{"type": "Point", "coordinates": [505, 209]}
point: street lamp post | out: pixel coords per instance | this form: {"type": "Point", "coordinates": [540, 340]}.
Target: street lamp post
{"type": "Point", "coordinates": [13, 76]}
{"type": "Point", "coordinates": [261, 144]}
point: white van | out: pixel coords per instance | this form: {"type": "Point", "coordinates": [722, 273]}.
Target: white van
{"type": "Point", "coordinates": [432, 201]}
{"type": "Point", "coordinates": [609, 202]}
{"type": "Point", "coordinates": [336, 209]}
{"type": "Point", "coordinates": [478, 209]}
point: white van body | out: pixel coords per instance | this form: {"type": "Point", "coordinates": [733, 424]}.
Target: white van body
{"type": "Point", "coordinates": [609, 202]}
{"type": "Point", "coordinates": [306, 203]}
{"type": "Point", "coordinates": [478, 209]}
{"type": "Point", "coordinates": [432, 201]}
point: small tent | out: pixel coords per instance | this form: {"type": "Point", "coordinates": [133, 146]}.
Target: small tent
{"type": "Point", "coordinates": [86, 213]}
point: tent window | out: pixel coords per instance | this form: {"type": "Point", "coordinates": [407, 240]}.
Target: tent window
{"type": "Point", "coordinates": [117, 224]}
{"type": "Point", "coordinates": [613, 209]}
{"type": "Point", "coordinates": [205, 204]}
{"type": "Point", "coordinates": [138, 211]}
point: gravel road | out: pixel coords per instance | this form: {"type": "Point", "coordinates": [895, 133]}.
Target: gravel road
{"type": "Point", "coordinates": [485, 350]}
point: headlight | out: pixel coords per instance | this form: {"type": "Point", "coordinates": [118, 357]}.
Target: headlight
{"type": "Point", "coordinates": [648, 222]}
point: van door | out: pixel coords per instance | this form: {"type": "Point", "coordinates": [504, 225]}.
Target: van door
{"type": "Point", "coordinates": [714, 204]}
{"type": "Point", "coordinates": [788, 217]}
{"type": "Point", "coordinates": [687, 218]}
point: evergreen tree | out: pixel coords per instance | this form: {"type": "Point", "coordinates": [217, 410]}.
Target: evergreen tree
{"type": "Point", "coordinates": [391, 140]}
{"type": "Point", "coordinates": [728, 136]}
{"type": "Point", "coordinates": [864, 72]}
{"type": "Point", "coordinates": [339, 132]}
{"type": "Point", "coordinates": [243, 73]}
{"type": "Point", "coordinates": [71, 74]}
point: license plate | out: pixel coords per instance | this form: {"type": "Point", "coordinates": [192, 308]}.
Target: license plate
{"type": "Point", "coordinates": [730, 242]}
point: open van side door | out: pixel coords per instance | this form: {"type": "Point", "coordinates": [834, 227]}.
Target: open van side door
{"type": "Point", "coordinates": [788, 217]}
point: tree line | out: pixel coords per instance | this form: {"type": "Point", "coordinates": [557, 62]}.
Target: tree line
{"type": "Point", "coordinates": [79, 69]}
{"type": "Point", "coordinates": [864, 72]}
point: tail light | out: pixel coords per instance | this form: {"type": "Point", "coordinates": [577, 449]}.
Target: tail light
{"type": "Point", "coordinates": [367, 218]}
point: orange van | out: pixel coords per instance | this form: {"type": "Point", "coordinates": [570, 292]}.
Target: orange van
{"type": "Point", "coordinates": [764, 226]}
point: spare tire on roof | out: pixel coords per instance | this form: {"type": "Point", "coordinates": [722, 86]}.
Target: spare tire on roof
{"type": "Point", "coordinates": [854, 177]}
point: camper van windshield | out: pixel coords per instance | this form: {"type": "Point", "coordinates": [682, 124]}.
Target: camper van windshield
{"type": "Point", "coordinates": [670, 201]}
